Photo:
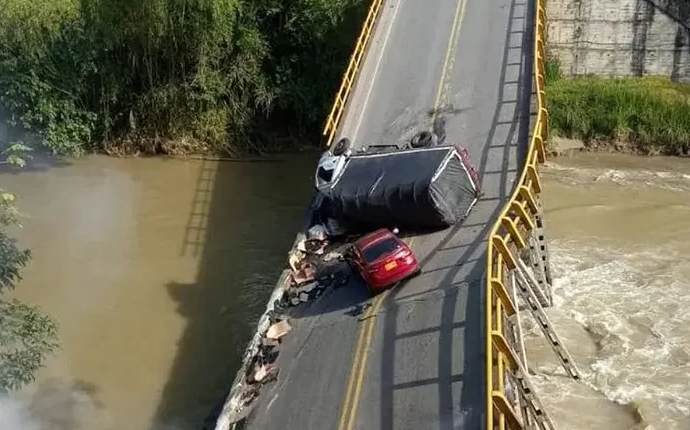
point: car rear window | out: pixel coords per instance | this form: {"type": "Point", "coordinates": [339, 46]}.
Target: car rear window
{"type": "Point", "coordinates": [379, 248]}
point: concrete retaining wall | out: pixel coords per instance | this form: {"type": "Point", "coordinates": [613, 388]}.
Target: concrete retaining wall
{"type": "Point", "coordinates": [621, 37]}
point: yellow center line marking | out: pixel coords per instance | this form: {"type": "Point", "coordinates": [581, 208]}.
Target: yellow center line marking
{"type": "Point", "coordinates": [355, 367]}
{"type": "Point", "coordinates": [452, 42]}
{"type": "Point", "coordinates": [361, 356]}
{"type": "Point", "coordinates": [365, 357]}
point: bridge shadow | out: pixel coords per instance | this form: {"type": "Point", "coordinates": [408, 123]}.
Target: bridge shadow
{"type": "Point", "coordinates": [243, 221]}
{"type": "Point", "coordinates": [460, 293]}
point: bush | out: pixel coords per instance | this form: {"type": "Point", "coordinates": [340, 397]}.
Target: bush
{"type": "Point", "coordinates": [27, 336]}
{"type": "Point", "coordinates": [160, 75]}
{"type": "Point", "coordinates": [651, 113]}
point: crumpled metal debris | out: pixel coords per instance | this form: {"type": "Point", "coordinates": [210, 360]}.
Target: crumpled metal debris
{"type": "Point", "coordinates": [295, 259]}
{"type": "Point", "coordinates": [316, 247]}
{"type": "Point", "coordinates": [333, 255]}
{"type": "Point", "coordinates": [317, 232]}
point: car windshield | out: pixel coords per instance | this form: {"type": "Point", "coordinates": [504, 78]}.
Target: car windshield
{"type": "Point", "coordinates": [378, 249]}
{"type": "Point", "coordinates": [324, 174]}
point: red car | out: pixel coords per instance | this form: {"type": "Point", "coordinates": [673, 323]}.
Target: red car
{"type": "Point", "coordinates": [383, 259]}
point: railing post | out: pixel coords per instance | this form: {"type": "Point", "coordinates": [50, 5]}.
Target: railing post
{"type": "Point", "coordinates": [543, 249]}
{"type": "Point", "coordinates": [538, 257]}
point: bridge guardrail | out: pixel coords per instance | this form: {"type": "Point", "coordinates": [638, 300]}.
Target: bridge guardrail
{"type": "Point", "coordinates": [350, 75]}
{"type": "Point", "coordinates": [516, 219]}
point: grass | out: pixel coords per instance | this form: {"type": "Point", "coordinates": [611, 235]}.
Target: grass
{"type": "Point", "coordinates": [648, 115]}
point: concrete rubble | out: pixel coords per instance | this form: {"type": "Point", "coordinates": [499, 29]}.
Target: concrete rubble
{"type": "Point", "coordinates": [313, 267]}
{"type": "Point", "coordinates": [278, 330]}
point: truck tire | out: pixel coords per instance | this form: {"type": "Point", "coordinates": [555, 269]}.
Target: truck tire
{"type": "Point", "coordinates": [440, 129]}
{"type": "Point", "coordinates": [341, 147]}
{"type": "Point", "coordinates": [423, 139]}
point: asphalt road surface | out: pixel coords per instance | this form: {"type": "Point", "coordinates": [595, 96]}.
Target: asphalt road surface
{"type": "Point", "coordinates": [414, 358]}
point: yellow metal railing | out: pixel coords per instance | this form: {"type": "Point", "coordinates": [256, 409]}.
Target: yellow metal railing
{"type": "Point", "coordinates": [507, 235]}
{"type": "Point", "coordinates": [338, 108]}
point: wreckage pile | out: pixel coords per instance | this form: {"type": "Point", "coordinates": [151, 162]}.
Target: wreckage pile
{"type": "Point", "coordinates": [312, 269]}
{"type": "Point", "coordinates": [314, 266]}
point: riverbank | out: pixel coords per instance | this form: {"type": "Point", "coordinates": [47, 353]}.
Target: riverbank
{"type": "Point", "coordinates": [649, 115]}
{"type": "Point", "coordinates": [152, 77]}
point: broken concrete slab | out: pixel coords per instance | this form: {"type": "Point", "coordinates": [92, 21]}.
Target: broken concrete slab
{"type": "Point", "coordinates": [278, 330]}
{"type": "Point", "coordinates": [261, 372]}
{"type": "Point", "coordinates": [303, 276]}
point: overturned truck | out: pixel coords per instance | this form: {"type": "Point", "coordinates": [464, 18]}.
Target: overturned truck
{"type": "Point", "coordinates": [427, 188]}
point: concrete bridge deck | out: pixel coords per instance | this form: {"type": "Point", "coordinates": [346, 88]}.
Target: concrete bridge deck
{"type": "Point", "coordinates": [416, 358]}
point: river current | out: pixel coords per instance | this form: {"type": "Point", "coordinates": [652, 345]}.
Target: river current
{"type": "Point", "coordinates": [619, 236]}
{"type": "Point", "coordinates": [158, 269]}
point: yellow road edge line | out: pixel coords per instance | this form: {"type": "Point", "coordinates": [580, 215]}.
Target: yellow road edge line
{"type": "Point", "coordinates": [365, 357]}
{"type": "Point", "coordinates": [457, 23]}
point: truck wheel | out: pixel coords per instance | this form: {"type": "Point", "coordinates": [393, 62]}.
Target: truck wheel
{"type": "Point", "coordinates": [423, 139]}
{"type": "Point", "coordinates": [341, 147]}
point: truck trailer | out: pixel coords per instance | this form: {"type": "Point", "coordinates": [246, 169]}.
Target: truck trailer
{"type": "Point", "coordinates": [413, 189]}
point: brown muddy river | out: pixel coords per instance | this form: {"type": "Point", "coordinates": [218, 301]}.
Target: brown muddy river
{"type": "Point", "coordinates": [619, 235]}
{"type": "Point", "coordinates": [157, 270]}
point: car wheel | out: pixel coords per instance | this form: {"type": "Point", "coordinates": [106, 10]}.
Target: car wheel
{"type": "Point", "coordinates": [423, 139]}
{"type": "Point", "coordinates": [341, 147]}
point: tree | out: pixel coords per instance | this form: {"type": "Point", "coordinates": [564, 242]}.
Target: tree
{"type": "Point", "coordinates": [27, 336]}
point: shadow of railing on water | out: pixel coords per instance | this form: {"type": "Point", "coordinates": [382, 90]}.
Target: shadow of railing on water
{"type": "Point", "coordinates": [250, 216]}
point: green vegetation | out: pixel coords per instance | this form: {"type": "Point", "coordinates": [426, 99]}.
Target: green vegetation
{"type": "Point", "coordinates": [648, 115]}
{"type": "Point", "coordinates": [27, 336]}
{"type": "Point", "coordinates": [173, 76]}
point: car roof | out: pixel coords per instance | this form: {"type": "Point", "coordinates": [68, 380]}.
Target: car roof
{"type": "Point", "coordinates": [373, 237]}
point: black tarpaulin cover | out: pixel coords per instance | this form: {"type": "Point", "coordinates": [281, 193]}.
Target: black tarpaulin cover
{"type": "Point", "coordinates": [411, 189]}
